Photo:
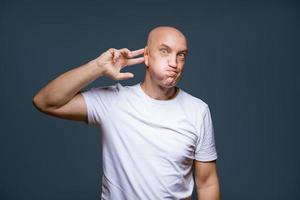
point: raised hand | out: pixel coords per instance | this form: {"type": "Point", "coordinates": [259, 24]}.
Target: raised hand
{"type": "Point", "coordinates": [113, 60]}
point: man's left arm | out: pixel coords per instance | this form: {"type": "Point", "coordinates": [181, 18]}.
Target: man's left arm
{"type": "Point", "coordinates": [207, 182]}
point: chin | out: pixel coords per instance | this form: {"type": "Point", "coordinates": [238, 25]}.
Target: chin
{"type": "Point", "coordinates": [169, 83]}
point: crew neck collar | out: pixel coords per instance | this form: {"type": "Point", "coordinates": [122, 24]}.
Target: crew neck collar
{"type": "Point", "coordinates": [157, 101]}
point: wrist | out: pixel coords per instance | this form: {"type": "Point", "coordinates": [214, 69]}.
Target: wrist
{"type": "Point", "coordinates": [97, 67]}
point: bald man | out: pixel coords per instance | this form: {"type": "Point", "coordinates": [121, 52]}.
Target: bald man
{"type": "Point", "coordinates": [153, 132]}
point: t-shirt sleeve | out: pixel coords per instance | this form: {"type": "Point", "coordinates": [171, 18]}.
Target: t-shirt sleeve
{"type": "Point", "coordinates": [205, 147]}
{"type": "Point", "coordinates": [98, 102]}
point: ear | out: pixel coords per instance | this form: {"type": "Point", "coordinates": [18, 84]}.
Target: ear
{"type": "Point", "coordinates": [146, 55]}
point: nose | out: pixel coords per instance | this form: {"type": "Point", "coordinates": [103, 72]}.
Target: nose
{"type": "Point", "coordinates": [173, 61]}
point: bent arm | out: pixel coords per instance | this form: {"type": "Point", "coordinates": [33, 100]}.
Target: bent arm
{"type": "Point", "coordinates": [62, 98]}
{"type": "Point", "coordinates": [207, 182]}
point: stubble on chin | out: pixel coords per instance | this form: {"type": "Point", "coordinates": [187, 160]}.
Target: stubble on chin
{"type": "Point", "coordinates": [170, 81]}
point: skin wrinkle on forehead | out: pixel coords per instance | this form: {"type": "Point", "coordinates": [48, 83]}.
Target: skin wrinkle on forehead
{"type": "Point", "coordinates": [162, 30]}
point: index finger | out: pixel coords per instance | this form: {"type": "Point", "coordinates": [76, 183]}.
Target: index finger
{"type": "Point", "coordinates": [137, 52]}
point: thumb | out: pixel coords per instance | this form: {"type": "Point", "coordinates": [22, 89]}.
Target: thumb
{"type": "Point", "coordinates": [126, 75]}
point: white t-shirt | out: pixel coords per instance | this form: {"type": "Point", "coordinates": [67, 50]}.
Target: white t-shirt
{"type": "Point", "coordinates": [149, 145]}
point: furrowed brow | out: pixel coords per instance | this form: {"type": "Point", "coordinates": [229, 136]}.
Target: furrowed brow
{"type": "Point", "coordinates": [184, 51]}
{"type": "Point", "coordinates": [166, 46]}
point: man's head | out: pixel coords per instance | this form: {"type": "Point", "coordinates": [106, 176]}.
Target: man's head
{"type": "Point", "coordinates": [165, 55]}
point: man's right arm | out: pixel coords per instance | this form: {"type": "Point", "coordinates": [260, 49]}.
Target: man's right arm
{"type": "Point", "coordinates": [62, 97]}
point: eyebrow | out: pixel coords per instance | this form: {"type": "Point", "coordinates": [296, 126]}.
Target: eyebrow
{"type": "Point", "coordinates": [182, 51]}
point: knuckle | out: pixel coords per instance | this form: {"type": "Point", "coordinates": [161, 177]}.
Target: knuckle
{"type": "Point", "coordinates": [125, 50]}
{"type": "Point", "coordinates": [111, 50]}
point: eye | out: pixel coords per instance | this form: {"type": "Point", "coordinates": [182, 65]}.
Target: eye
{"type": "Point", "coordinates": [164, 51]}
{"type": "Point", "coordinates": [182, 56]}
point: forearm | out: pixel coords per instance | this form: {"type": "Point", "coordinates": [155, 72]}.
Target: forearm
{"type": "Point", "coordinates": [62, 89]}
{"type": "Point", "coordinates": [209, 191]}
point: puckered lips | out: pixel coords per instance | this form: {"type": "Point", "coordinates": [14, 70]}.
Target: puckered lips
{"type": "Point", "coordinates": [172, 72]}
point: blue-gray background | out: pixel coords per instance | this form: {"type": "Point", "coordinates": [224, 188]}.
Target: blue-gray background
{"type": "Point", "coordinates": [243, 62]}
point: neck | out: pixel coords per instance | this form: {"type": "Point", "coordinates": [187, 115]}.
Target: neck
{"type": "Point", "coordinates": [156, 91]}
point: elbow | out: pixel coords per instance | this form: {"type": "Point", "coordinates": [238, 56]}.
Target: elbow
{"type": "Point", "coordinates": [39, 104]}
{"type": "Point", "coordinates": [42, 104]}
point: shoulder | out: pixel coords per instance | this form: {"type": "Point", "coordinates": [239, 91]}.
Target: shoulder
{"type": "Point", "coordinates": [107, 89]}
{"type": "Point", "coordinates": [195, 103]}
{"type": "Point", "coordinates": [107, 94]}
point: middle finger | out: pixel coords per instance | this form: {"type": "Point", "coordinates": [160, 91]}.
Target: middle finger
{"type": "Point", "coordinates": [137, 52]}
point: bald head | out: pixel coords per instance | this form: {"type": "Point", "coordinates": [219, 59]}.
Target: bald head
{"type": "Point", "coordinates": [165, 56]}
{"type": "Point", "coordinates": [161, 31]}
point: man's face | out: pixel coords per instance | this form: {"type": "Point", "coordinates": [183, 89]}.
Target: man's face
{"type": "Point", "coordinates": [165, 56]}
